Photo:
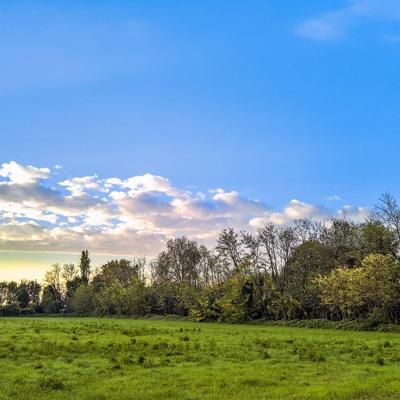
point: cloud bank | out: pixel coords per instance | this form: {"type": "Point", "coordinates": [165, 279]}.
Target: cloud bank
{"type": "Point", "coordinates": [134, 216]}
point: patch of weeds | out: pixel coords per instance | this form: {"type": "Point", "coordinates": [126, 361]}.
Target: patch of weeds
{"type": "Point", "coordinates": [125, 359]}
{"type": "Point", "coordinates": [265, 355]}
{"type": "Point", "coordinates": [253, 382]}
{"type": "Point", "coordinates": [380, 360]}
{"type": "Point", "coordinates": [20, 380]}
{"type": "Point", "coordinates": [212, 345]}
{"type": "Point", "coordinates": [310, 354]}
{"type": "Point", "coordinates": [68, 359]}
{"type": "Point", "coordinates": [38, 365]}
{"type": "Point", "coordinates": [51, 383]}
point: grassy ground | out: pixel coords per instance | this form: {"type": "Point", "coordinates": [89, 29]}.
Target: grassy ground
{"type": "Point", "coordinates": [89, 358]}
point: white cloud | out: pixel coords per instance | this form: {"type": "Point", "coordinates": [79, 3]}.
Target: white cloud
{"type": "Point", "coordinates": [333, 198]}
{"type": "Point", "coordinates": [328, 27]}
{"type": "Point", "coordinates": [17, 173]}
{"type": "Point", "coordinates": [136, 216]}
{"type": "Point", "coordinates": [77, 186]}
{"type": "Point", "coordinates": [335, 24]}
{"type": "Point", "coordinates": [297, 210]}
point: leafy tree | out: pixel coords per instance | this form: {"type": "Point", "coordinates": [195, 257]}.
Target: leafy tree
{"type": "Point", "coordinates": [376, 238]}
{"type": "Point", "coordinates": [34, 290]}
{"type": "Point", "coordinates": [175, 273]}
{"type": "Point", "coordinates": [237, 301]}
{"type": "Point", "coordinates": [380, 283]}
{"type": "Point", "coordinates": [85, 267]}
{"type": "Point", "coordinates": [3, 292]}
{"type": "Point", "coordinates": [23, 295]}
{"type": "Point", "coordinates": [207, 306]}
{"type": "Point", "coordinates": [309, 260]}
{"type": "Point", "coordinates": [52, 297]}
{"type": "Point", "coordinates": [123, 271]}
{"type": "Point", "coordinates": [84, 300]}
{"type": "Point", "coordinates": [51, 300]}
{"type": "Point", "coordinates": [137, 302]}
{"type": "Point", "coordinates": [12, 293]}
{"type": "Point", "coordinates": [341, 292]}
{"type": "Point", "coordinates": [341, 236]}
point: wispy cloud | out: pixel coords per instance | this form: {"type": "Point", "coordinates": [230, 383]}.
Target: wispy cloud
{"type": "Point", "coordinates": [335, 24]}
{"type": "Point", "coordinates": [132, 216]}
{"type": "Point", "coordinates": [297, 209]}
{"type": "Point", "coordinates": [333, 198]}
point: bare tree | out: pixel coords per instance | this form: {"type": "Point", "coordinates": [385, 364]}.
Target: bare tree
{"type": "Point", "coordinates": [278, 244]}
{"type": "Point", "coordinates": [229, 250]}
{"type": "Point", "coordinates": [388, 211]}
{"type": "Point", "coordinates": [69, 272]}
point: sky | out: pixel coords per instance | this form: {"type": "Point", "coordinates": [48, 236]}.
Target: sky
{"type": "Point", "coordinates": [124, 124]}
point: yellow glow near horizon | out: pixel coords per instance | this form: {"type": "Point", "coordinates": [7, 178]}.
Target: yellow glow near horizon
{"type": "Point", "coordinates": [15, 266]}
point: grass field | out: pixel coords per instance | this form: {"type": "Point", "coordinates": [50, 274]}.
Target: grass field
{"type": "Point", "coordinates": [90, 358]}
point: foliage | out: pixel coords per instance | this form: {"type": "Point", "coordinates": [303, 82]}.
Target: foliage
{"type": "Point", "coordinates": [336, 269]}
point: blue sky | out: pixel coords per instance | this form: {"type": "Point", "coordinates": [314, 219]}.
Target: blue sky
{"type": "Point", "coordinates": [136, 121]}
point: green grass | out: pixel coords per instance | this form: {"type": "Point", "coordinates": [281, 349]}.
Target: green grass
{"type": "Point", "coordinates": [90, 358]}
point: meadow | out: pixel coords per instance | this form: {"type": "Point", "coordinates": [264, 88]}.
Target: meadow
{"type": "Point", "coordinates": [106, 358]}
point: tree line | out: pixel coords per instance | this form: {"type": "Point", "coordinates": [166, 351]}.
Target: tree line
{"type": "Point", "coordinates": [336, 269]}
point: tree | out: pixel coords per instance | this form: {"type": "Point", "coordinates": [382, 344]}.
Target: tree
{"type": "Point", "coordinates": [51, 300]}
{"type": "Point", "coordinates": [84, 300]}
{"type": "Point", "coordinates": [122, 271]}
{"type": "Point", "coordinates": [3, 292]}
{"type": "Point", "coordinates": [69, 272]}
{"type": "Point", "coordinates": [309, 260]}
{"type": "Point", "coordinates": [388, 211]}
{"type": "Point", "coordinates": [342, 237]}
{"type": "Point", "coordinates": [380, 283]}
{"type": "Point", "coordinates": [84, 267]}
{"type": "Point", "coordinates": [341, 292]}
{"type": "Point", "coordinates": [277, 244]}
{"type": "Point", "coordinates": [237, 301]}
{"type": "Point", "coordinates": [229, 250]}
{"type": "Point", "coordinates": [23, 295]}
{"type": "Point", "coordinates": [120, 287]}
{"type": "Point", "coordinates": [52, 297]}
{"type": "Point", "coordinates": [175, 276]}
{"type": "Point", "coordinates": [376, 238]}
{"type": "Point", "coordinates": [12, 293]}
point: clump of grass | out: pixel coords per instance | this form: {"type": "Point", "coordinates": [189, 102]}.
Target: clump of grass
{"type": "Point", "coordinates": [310, 353]}
{"type": "Point", "coordinates": [380, 360]}
{"type": "Point", "coordinates": [51, 383]}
